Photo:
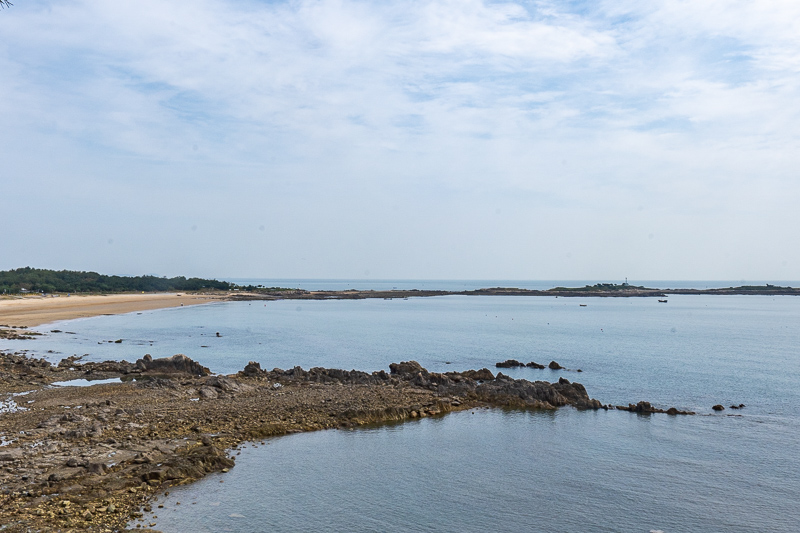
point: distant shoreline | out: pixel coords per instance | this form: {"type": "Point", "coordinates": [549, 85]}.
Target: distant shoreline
{"type": "Point", "coordinates": [19, 312]}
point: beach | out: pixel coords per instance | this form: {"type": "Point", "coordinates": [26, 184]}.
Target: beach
{"type": "Point", "coordinates": [30, 311]}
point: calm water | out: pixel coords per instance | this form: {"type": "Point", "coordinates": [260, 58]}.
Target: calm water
{"type": "Point", "coordinates": [496, 470]}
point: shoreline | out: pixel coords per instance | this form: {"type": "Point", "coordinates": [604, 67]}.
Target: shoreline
{"type": "Point", "coordinates": [21, 312]}
{"type": "Point", "coordinates": [30, 311]}
{"type": "Point", "coordinates": [92, 458]}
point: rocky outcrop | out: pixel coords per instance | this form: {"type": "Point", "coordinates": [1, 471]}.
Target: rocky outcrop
{"type": "Point", "coordinates": [484, 374]}
{"type": "Point", "coordinates": [177, 364]}
{"type": "Point", "coordinates": [509, 363]}
{"type": "Point", "coordinates": [513, 363]}
{"type": "Point", "coordinates": [554, 366]}
{"type": "Point", "coordinates": [479, 385]}
{"type": "Point", "coordinates": [646, 408]}
{"type": "Point", "coordinates": [253, 368]}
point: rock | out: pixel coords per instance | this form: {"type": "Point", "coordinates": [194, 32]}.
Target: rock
{"type": "Point", "coordinates": [253, 368]}
{"type": "Point", "coordinates": [646, 408]}
{"type": "Point", "coordinates": [209, 393]}
{"type": "Point", "coordinates": [10, 454]}
{"type": "Point", "coordinates": [718, 407]}
{"type": "Point", "coordinates": [534, 365]}
{"type": "Point", "coordinates": [554, 366]}
{"type": "Point", "coordinates": [484, 374]}
{"type": "Point", "coordinates": [226, 384]}
{"type": "Point", "coordinates": [509, 363]}
{"type": "Point", "coordinates": [96, 468]}
{"type": "Point", "coordinates": [178, 363]}
{"type": "Point", "coordinates": [406, 367]}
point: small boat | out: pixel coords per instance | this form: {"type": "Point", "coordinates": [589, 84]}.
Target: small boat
{"type": "Point", "coordinates": [662, 301]}
{"type": "Point", "coordinates": [582, 305]}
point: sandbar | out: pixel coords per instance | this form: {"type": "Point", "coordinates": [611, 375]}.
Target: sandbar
{"type": "Point", "coordinates": [29, 311]}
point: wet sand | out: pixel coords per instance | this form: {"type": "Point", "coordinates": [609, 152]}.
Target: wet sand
{"type": "Point", "coordinates": [29, 311]}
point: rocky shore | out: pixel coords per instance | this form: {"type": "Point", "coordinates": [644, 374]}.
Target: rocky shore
{"type": "Point", "coordinates": [91, 458]}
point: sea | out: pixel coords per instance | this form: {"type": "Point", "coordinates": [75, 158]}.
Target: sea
{"type": "Point", "coordinates": [737, 470]}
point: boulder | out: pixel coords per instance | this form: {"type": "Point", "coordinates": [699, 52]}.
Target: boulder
{"type": "Point", "coordinates": [406, 367]}
{"type": "Point", "coordinates": [509, 363]}
{"type": "Point", "coordinates": [253, 368]}
{"type": "Point", "coordinates": [177, 364]}
{"type": "Point", "coordinates": [484, 374]}
{"type": "Point", "coordinates": [554, 366]}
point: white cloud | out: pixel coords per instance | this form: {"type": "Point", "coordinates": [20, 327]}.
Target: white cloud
{"type": "Point", "coordinates": [575, 110]}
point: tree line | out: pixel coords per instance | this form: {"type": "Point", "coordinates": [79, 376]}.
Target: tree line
{"type": "Point", "coordinates": [48, 281]}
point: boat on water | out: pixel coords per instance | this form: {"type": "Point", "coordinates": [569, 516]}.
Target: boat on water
{"type": "Point", "coordinates": [582, 305]}
{"type": "Point", "coordinates": [662, 301]}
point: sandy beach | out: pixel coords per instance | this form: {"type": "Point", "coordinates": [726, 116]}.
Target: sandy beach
{"type": "Point", "coordinates": [29, 311]}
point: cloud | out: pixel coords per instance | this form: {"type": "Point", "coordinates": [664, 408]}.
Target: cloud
{"type": "Point", "coordinates": [578, 110]}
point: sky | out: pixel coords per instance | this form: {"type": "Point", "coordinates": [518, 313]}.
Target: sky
{"type": "Point", "coordinates": [438, 139]}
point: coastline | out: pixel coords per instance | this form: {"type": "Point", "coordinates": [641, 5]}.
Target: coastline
{"type": "Point", "coordinates": [92, 458]}
{"type": "Point", "coordinates": [20, 312]}
{"type": "Point", "coordinates": [101, 449]}
{"type": "Point", "coordinates": [30, 311]}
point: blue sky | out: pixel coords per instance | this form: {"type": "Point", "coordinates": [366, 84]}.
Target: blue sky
{"type": "Point", "coordinates": [402, 139]}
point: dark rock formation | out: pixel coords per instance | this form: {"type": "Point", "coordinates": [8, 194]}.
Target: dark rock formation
{"type": "Point", "coordinates": [509, 363]}
{"type": "Point", "coordinates": [484, 374]}
{"type": "Point", "coordinates": [253, 368]}
{"type": "Point", "coordinates": [478, 385]}
{"type": "Point", "coordinates": [718, 407]}
{"type": "Point", "coordinates": [177, 364]}
{"type": "Point", "coordinates": [647, 408]}
{"type": "Point", "coordinates": [513, 363]}
{"type": "Point", "coordinates": [554, 366]}
{"type": "Point", "coordinates": [405, 367]}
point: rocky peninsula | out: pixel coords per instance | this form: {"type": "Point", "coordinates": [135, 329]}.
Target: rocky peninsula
{"type": "Point", "coordinates": [90, 458]}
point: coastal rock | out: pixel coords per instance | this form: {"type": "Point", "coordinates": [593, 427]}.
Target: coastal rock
{"type": "Point", "coordinates": [209, 393]}
{"type": "Point", "coordinates": [509, 363]}
{"type": "Point", "coordinates": [484, 374]}
{"type": "Point", "coordinates": [718, 407]}
{"type": "Point", "coordinates": [253, 368]}
{"type": "Point", "coordinates": [177, 364]}
{"type": "Point", "coordinates": [646, 408]}
{"type": "Point", "coordinates": [226, 384]}
{"type": "Point", "coordinates": [406, 367]}
{"type": "Point", "coordinates": [554, 366]}
{"type": "Point", "coordinates": [535, 365]}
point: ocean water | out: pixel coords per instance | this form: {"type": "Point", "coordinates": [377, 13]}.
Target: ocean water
{"type": "Point", "coordinates": [492, 469]}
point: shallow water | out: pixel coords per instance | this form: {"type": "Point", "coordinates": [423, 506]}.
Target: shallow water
{"type": "Point", "coordinates": [505, 471]}
{"type": "Point", "coordinates": [85, 382]}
